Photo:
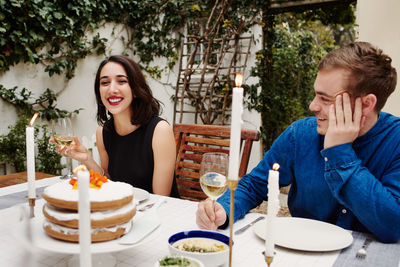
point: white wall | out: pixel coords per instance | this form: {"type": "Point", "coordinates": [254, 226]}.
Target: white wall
{"type": "Point", "coordinates": [379, 24]}
{"type": "Point", "coordinates": [79, 93]}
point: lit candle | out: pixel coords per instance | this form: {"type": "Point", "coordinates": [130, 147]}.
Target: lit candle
{"type": "Point", "coordinates": [85, 257]}
{"type": "Point", "coordinates": [273, 207]}
{"type": "Point", "coordinates": [236, 125]}
{"type": "Point", "coordinates": [30, 157]}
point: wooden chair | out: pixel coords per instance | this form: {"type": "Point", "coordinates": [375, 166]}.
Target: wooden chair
{"type": "Point", "coordinates": [192, 141]}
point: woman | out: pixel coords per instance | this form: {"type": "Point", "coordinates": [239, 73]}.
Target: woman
{"type": "Point", "coordinates": [135, 145]}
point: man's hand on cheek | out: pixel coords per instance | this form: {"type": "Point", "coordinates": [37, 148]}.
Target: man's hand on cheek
{"type": "Point", "coordinates": [344, 124]}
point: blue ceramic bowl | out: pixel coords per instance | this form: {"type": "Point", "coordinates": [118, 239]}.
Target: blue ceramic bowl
{"type": "Point", "coordinates": [208, 258]}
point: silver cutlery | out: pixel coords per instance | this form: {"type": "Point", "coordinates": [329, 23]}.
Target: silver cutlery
{"type": "Point", "coordinates": [146, 207]}
{"type": "Point", "coordinates": [244, 228]}
{"type": "Point", "coordinates": [160, 201]}
{"type": "Point", "coordinates": [362, 252]}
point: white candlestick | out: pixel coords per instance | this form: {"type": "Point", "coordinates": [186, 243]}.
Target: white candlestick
{"type": "Point", "coordinates": [85, 258]}
{"type": "Point", "coordinates": [236, 125]}
{"type": "Point", "coordinates": [273, 207]}
{"type": "Point", "coordinates": [30, 161]}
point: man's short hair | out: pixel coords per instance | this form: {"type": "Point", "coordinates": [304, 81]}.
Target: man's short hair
{"type": "Point", "coordinates": [370, 70]}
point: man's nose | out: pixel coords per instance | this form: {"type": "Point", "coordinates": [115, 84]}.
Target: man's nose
{"type": "Point", "coordinates": [314, 105]}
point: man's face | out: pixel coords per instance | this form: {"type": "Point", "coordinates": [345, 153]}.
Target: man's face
{"type": "Point", "coordinates": [327, 85]}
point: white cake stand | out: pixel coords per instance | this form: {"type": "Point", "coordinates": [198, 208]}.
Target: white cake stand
{"type": "Point", "coordinates": [101, 251]}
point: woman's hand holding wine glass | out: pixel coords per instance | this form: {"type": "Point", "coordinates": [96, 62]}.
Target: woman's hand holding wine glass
{"type": "Point", "coordinates": [213, 174]}
{"type": "Point", "coordinates": [68, 144]}
{"type": "Point", "coordinates": [63, 135]}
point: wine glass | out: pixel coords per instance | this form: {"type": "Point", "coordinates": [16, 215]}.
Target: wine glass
{"type": "Point", "coordinates": [213, 174]}
{"type": "Point", "coordinates": [63, 135]}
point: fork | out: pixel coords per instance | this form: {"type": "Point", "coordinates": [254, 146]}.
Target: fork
{"type": "Point", "coordinates": [160, 201]}
{"type": "Point", "coordinates": [148, 206]}
{"type": "Point", "coordinates": [362, 252]}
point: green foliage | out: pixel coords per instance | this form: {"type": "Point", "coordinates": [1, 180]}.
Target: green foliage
{"type": "Point", "coordinates": [45, 105]}
{"type": "Point", "coordinates": [13, 144]}
{"type": "Point", "coordinates": [287, 68]}
{"type": "Point", "coordinates": [57, 33]}
{"type": "Point", "coordinates": [13, 148]}
{"type": "Point", "coordinates": [288, 91]}
{"type": "Point", "coordinates": [47, 159]}
{"type": "Point", "coordinates": [337, 14]}
{"type": "Point", "coordinates": [53, 33]}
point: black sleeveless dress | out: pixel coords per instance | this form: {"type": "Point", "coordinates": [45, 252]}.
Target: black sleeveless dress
{"type": "Point", "coordinates": [131, 156]}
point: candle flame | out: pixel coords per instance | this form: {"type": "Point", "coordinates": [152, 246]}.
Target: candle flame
{"type": "Point", "coordinates": [238, 79]}
{"type": "Point", "coordinates": [33, 118]}
{"type": "Point", "coordinates": [275, 167]}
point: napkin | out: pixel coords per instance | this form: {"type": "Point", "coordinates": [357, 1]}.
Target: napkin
{"type": "Point", "coordinates": [378, 254]}
{"type": "Point", "coordinates": [143, 226]}
{"type": "Point", "coordinates": [10, 200]}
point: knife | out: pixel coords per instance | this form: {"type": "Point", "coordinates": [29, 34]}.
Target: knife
{"type": "Point", "coordinates": [244, 228]}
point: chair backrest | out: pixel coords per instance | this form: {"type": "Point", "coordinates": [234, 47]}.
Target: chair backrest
{"type": "Point", "coordinates": [192, 141]}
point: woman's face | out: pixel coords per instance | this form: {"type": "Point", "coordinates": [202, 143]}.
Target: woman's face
{"type": "Point", "coordinates": [115, 92]}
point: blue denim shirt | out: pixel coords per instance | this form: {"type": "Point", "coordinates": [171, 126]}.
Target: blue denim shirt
{"type": "Point", "coordinates": [354, 185]}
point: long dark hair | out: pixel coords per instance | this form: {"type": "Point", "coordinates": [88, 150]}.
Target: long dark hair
{"type": "Point", "coordinates": [144, 105]}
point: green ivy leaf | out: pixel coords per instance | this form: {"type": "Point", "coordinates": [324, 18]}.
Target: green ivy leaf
{"type": "Point", "coordinates": [57, 15]}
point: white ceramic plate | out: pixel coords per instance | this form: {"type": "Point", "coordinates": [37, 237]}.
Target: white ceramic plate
{"type": "Point", "coordinates": [306, 234]}
{"type": "Point", "coordinates": [140, 194]}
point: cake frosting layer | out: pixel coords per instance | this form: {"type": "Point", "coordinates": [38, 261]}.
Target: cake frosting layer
{"type": "Point", "coordinates": [68, 215]}
{"type": "Point", "coordinates": [70, 231]}
{"type": "Point", "coordinates": [109, 191]}
{"type": "Point", "coordinates": [97, 234]}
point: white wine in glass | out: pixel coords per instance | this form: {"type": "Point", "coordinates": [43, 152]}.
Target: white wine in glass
{"type": "Point", "coordinates": [63, 140]}
{"type": "Point", "coordinates": [63, 135]}
{"type": "Point", "coordinates": [213, 174]}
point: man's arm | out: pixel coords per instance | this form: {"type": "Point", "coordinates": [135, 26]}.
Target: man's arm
{"type": "Point", "coordinates": [373, 200]}
{"type": "Point", "coordinates": [253, 187]}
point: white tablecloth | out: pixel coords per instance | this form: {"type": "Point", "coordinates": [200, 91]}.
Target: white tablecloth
{"type": "Point", "coordinates": [176, 215]}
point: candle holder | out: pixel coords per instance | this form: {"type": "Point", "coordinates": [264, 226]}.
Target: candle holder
{"type": "Point", "coordinates": [232, 185]}
{"type": "Point", "coordinates": [268, 259]}
{"type": "Point", "coordinates": [32, 207]}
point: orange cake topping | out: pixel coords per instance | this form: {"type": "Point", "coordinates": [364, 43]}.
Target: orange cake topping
{"type": "Point", "coordinates": [96, 180]}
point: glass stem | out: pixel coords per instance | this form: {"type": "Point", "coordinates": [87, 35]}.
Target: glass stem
{"type": "Point", "coordinates": [69, 165]}
{"type": "Point", "coordinates": [213, 204]}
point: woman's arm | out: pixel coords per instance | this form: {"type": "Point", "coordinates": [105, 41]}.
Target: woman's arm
{"type": "Point", "coordinates": [164, 152]}
{"type": "Point", "coordinates": [102, 151]}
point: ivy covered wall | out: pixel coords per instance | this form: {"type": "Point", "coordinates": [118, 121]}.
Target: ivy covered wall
{"type": "Point", "coordinates": [59, 44]}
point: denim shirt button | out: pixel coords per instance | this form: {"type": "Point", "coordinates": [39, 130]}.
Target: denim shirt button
{"type": "Point", "coordinates": [326, 159]}
{"type": "Point", "coordinates": [344, 211]}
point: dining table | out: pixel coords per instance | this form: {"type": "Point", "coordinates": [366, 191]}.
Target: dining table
{"type": "Point", "coordinates": [175, 215]}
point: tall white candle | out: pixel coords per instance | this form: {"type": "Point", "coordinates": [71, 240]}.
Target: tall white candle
{"type": "Point", "coordinates": [236, 125]}
{"type": "Point", "coordinates": [30, 158]}
{"type": "Point", "coordinates": [85, 258]}
{"type": "Point", "coordinates": [273, 207]}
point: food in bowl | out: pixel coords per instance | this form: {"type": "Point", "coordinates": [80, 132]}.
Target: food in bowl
{"type": "Point", "coordinates": [193, 248]}
{"type": "Point", "coordinates": [200, 245]}
{"type": "Point", "coordinates": [176, 261]}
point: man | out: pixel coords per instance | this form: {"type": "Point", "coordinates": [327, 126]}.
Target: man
{"type": "Point", "coordinates": [343, 164]}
